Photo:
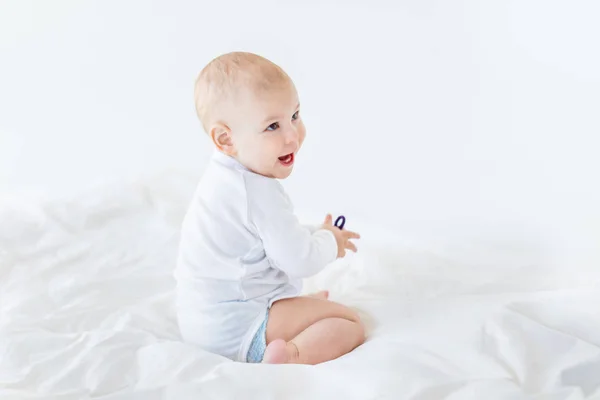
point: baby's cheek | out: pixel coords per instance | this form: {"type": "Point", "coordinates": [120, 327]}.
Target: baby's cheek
{"type": "Point", "coordinates": [266, 150]}
{"type": "Point", "coordinates": [251, 152]}
{"type": "Point", "coordinates": [301, 133]}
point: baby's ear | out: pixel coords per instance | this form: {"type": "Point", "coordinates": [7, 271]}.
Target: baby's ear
{"type": "Point", "coordinates": [221, 137]}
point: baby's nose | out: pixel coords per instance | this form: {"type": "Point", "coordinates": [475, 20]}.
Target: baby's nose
{"type": "Point", "coordinates": [291, 136]}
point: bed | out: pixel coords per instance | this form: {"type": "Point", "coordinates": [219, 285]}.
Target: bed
{"type": "Point", "coordinates": [86, 311]}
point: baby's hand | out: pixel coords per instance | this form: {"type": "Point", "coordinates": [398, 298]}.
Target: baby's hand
{"type": "Point", "coordinates": [342, 237]}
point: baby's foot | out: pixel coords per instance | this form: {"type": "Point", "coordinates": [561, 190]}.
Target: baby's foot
{"type": "Point", "coordinates": [276, 352]}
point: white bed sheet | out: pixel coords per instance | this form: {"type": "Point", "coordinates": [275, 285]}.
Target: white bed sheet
{"type": "Point", "coordinates": [86, 311]}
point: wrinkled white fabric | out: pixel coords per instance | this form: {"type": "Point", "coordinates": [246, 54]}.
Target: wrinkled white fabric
{"type": "Point", "coordinates": [242, 248]}
{"type": "Point", "coordinates": [87, 310]}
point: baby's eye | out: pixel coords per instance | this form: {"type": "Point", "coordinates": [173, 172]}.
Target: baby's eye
{"type": "Point", "coordinates": [273, 126]}
{"type": "Point", "coordinates": [296, 115]}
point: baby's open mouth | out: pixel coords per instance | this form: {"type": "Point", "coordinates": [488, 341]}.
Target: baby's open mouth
{"type": "Point", "coordinates": [287, 160]}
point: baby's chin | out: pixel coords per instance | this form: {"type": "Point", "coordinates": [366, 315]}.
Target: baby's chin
{"type": "Point", "coordinates": [281, 169]}
{"type": "Point", "coordinates": [285, 175]}
{"type": "Point", "coordinates": [280, 173]}
{"type": "Point", "coordinates": [276, 172]}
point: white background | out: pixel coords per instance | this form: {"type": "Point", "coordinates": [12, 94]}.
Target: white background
{"type": "Point", "coordinates": [468, 122]}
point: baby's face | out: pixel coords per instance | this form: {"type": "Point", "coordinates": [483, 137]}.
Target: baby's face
{"type": "Point", "coordinates": [267, 130]}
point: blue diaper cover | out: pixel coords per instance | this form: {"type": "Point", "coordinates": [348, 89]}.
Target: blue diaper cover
{"type": "Point", "coordinates": [259, 343]}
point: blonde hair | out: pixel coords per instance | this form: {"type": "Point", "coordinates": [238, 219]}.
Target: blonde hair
{"type": "Point", "coordinates": [222, 78]}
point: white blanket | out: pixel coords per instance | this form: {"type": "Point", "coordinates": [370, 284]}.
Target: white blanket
{"type": "Point", "coordinates": [86, 311]}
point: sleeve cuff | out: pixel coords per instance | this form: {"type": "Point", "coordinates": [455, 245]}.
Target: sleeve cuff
{"type": "Point", "coordinates": [332, 246]}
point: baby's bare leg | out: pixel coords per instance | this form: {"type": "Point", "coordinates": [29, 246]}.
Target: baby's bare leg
{"type": "Point", "coordinates": [325, 340]}
{"type": "Point", "coordinates": [323, 294]}
{"type": "Point", "coordinates": [308, 330]}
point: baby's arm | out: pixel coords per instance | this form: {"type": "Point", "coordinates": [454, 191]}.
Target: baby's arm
{"type": "Point", "coordinates": [294, 248]}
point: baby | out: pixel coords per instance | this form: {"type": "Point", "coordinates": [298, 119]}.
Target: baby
{"type": "Point", "coordinates": [243, 253]}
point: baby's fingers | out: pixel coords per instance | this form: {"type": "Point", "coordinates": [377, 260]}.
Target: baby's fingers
{"type": "Point", "coordinates": [351, 246]}
{"type": "Point", "coordinates": [351, 235]}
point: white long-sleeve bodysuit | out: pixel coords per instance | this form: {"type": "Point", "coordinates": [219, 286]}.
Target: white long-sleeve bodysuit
{"type": "Point", "coordinates": [241, 249]}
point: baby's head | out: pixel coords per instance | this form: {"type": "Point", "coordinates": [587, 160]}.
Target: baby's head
{"type": "Point", "coordinates": [249, 107]}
